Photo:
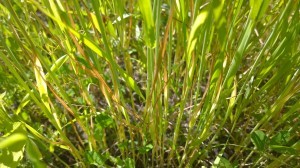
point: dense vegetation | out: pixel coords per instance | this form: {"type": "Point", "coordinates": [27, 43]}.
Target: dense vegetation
{"type": "Point", "coordinates": [159, 83]}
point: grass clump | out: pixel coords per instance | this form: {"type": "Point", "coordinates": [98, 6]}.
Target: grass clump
{"type": "Point", "coordinates": [149, 83]}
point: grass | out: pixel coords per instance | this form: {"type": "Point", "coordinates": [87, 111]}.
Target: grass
{"type": "Point", "coordinates": [149, 83]}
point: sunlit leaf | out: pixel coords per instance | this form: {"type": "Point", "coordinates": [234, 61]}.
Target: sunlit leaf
{"type": "Point", "coordinates": [258, 8]}
{"type": "Point", "coordinates": [222, 162]}
{"type": "Point", "coordinates": [12, 140]}
{"type": "Point", "coordinates": [12, 146]}
{"type": "Point", "coordinates": [145, 7]}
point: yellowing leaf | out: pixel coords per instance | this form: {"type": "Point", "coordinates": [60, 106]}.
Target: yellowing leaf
{"type": "Point", "coordinates": [195, 29]}
{"type": "Point", "coordinates": [95, 22]}
{"type": "Point", "coordinates": [42, 88]}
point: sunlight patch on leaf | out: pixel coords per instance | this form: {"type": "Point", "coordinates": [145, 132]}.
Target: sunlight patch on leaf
{"type": "Point", "coordinates": [195, 29]}
{"type": "Point", "coordinates": [42, 88]}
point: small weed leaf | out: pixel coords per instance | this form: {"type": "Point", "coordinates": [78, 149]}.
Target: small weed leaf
{"type": "Point", "coordinates": [123, 145]}
{"type": "Point", "coordinates": [104, 120]}
{"type": "Point", "coordinates": [259, 139]}
{"type": "Point", "coordinates": [145, 149]}
{"type": "Point", "coordinates": [94, 158]}
{"type": "Point", "coordinates": [129, 163]}
{"type": "Point", "coordinates": [222, 162]}
{"type": "Point", "coordinates": [280, 138]}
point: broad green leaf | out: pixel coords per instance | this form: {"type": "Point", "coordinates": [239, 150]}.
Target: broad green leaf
{"type": "Point", "coordinates": [221, 161]}
{"type": "Point", "coordinates": [18, 134]}
{"type": "Point", "coordinates": [5, 120]}
{"type": "Point", "coordinates": [94, 158]}
{"type": "Point", "coordinates": [104, 120]}
{"type": "Point", "coordinates": [12, 140]}
{"type": "Point", "coordinates": [145, 149]}
{"type": "Point", "coordinates": [9, 159]}
{"type": "Point", "coordinates": [12, 146]}
{"type": "Point", "coordinates": [33, 152]}
{"type": "Point", "coordinates": [259, 139]}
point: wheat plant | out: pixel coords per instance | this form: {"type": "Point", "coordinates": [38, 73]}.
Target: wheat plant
{"type": "Point", "coordinates": [140, 83]}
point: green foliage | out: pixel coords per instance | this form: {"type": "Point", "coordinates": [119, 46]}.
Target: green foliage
{"type": "Point", "coordinates": [259, 139]}
{"type": "Point", "coordinates": [158, 83]}
{"type": "Point", "coordinates": [12, 146]}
